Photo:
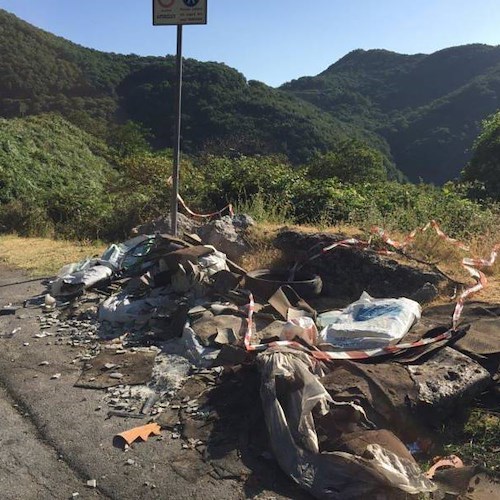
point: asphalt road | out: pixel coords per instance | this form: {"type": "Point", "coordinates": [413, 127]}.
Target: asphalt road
{"type": "Point", "coordinates": [55, 437]}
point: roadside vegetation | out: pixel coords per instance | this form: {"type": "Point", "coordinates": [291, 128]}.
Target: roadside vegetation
{"type": "Point", "coordinates": [59, 181]}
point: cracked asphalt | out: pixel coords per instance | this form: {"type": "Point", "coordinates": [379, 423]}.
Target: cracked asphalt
{"type": "Point", "coordinates": [54, 436]}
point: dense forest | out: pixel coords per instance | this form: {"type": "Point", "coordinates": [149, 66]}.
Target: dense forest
{"type": "Point", "coordinates": [427, 107]}
{"type": "Point", "coordinates": [421, 112]}
{"type": "Point", "coordinates": [221, 109]}
{"type": "Point", "coordinates": [86, 136]}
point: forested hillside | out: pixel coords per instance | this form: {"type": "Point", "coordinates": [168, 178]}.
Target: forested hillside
{"type": "Point", "coordinates": [427, 107]}
{"type": "Point", "coordinates": [41, 72]}
{"type": "Point", "coordinates": [421, 112]}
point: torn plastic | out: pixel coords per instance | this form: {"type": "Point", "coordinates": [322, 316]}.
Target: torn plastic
{"type": "Point", "coordinates": [196, 353]}
{"type": "Point", "coordinates": [290, 423]}
{"type": "Point", "coordinates": [213, 263]}
{"type": "Point", "coordinates": [303, 327]}
{"type": "Point", "coordinates": [122, 309]}
{"type": "Point", "coordinates": [369, 323]}
{"type": "Point", "coordinates": [75, 277]}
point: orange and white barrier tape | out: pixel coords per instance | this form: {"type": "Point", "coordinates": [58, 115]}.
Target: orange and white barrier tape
{"type": "Point", "coordinates": [353, 355]}
{"type": "Point", "coordinates": [409, 239]}
{"type": "Point", "coordinates": [473, 267]}
{"type": "Point", "coordinates": [228, 208]}
{"type": "Point", "coordinates": [470, 264]}
{"type": "Point", "coordinates": [248, 333]}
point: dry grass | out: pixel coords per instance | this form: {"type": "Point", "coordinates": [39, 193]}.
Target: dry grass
{"type": "Point", "coordinates": [427, 247]}
{"type": "Point", "coordinates": [43, 256]}
{"type": "Point", "coordinates": [448, 258]}
{"type": "Point", "coordinates": [264, 254]}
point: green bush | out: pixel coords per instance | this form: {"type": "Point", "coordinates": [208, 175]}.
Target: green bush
{"type": "Point", "coordinates": [53, 177]}
{"type": "Point", "coordinates": [351, 161]}
{"type": "Point", "coordinates": [484, 167]}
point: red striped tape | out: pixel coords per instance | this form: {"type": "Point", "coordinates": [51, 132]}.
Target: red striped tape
{"type": "Point", "coordinates": [470, 264]}
{"type": "Point", "coordinates": [228, 208]}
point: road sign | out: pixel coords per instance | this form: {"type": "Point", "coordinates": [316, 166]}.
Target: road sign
{"type": "Point", "coordinates": [168, 12]}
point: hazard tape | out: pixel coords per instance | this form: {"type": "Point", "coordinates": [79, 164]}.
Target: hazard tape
{"type": "Point", "coordinates": [473, 266]}
{"type": "Point", "coordinates": [410, 237]}
{"type": "Point", "coordinates": [470, 264]}
{"type": "Point", "coordinates": [248, 333]}
{"type": "Point", "coordinates": [228, 208]}
{"type": "Point", "coordinates": [353, 355]}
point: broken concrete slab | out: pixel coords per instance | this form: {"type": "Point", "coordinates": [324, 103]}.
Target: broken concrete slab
{"type": "Point", "coordinates": [227, 235]}
{"type": "Point", "coordinates": [447, 381]}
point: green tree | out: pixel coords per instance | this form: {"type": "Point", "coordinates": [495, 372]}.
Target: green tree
{"type": "Point", "coordinates": [484, 167]}
{"type": "Point", "coordinates": [352, 161]}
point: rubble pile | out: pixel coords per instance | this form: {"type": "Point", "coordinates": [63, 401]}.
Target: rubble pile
{"type": "Point", "coordinates": [174, 335]}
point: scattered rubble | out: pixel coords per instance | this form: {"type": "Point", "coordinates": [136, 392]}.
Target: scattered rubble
{"type": "Point", "coordinates": [169, 330]}
{"type": "Point", "coordinates": [228, 235]}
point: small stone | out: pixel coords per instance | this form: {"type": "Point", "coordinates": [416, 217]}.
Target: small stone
{"type": "Point", "coordinates": [109, 366]}
{"type": "Point", "coordinates": [130, 461]}
{"type": "Point", "coordinates": [55, 376]}
{"type": "Point", "coordinates": [75, 494]}
{"type": "Point", "coordinates": [116, 375]}
{"type": "Point", "coordinates": [43, 363]}
{"type": "Point", "coordinates": [92, 483]}
{"type": "Point", "coordinates": [26, 344]}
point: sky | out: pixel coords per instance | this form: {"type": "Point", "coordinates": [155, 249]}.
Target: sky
{"type": "Point", "coordinates": [272, 41]}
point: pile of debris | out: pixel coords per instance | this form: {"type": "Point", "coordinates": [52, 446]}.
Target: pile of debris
{"type": "Point", "coordinates": [175, 333]}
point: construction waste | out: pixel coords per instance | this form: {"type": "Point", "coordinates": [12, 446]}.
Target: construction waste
{"type": "Point", "coordinates": [345, 398]}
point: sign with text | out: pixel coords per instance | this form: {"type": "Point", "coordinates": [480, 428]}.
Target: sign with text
{"type": "Point", "coordinates": [168, 12]}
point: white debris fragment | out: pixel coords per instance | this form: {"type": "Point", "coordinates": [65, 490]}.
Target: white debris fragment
{"type": "Point", "coordinates": [92, 483]}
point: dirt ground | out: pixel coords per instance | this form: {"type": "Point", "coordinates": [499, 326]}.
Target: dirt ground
{"type": "Point", "coordinates": [55, 437]}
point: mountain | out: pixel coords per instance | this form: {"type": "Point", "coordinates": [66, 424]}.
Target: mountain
{"type": "Point", "coordinates": [421, 111]}
{"type": "Point", "coordinates": [427, 107]}
{"type": "Point", "coordinates": [221, 109]}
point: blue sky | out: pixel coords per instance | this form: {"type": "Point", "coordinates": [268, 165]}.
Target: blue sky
{"type": "Point", "coordinates": [271, 40]}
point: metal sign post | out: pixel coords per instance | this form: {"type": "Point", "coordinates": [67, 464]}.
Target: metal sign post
{"type": "Point", "coordinates": [168, 13]}
{"type": "Point", "coordinates": [177, 145]}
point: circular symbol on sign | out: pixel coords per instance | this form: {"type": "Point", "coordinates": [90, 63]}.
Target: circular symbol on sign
{"type": "Point", "coordinates": [191, 3]}
{"type": "Point", "coordinates": [166, 3]}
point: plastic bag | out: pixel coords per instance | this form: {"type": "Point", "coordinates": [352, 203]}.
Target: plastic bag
{"type": "Point", "coordinates": [303, 327]}
{"type": "Point", "coordinates": [369, 323]}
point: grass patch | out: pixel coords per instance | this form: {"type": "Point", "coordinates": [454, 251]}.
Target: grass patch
{"type": "Point", "coordinates": [477, 441]}
{"type": "Point", "coordinates": [44, 256]}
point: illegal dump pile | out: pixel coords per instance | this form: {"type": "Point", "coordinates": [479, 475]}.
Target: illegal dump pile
{"type": "Point", "coordinates": [179, 335]}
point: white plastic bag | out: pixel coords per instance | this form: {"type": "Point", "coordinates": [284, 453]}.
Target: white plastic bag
{"type": "Point", "coordinates": [369, 323]}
